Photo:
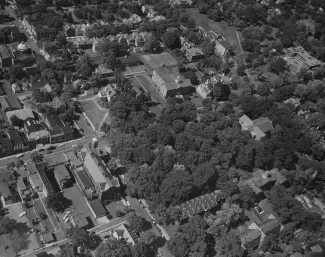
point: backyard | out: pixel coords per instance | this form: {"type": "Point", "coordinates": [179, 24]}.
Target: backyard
{"type": "Point", "coordinates": [229, 32]}
{"type": "Point", "coordinates": [94, 114]}
{"type": "Point", "coordinates": [30, 243]}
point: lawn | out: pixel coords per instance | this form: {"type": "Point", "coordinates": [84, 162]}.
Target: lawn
{"type": "Point", "coordinates": [93, 113]}
{"type": "Point", "coordinates": [229, 32]}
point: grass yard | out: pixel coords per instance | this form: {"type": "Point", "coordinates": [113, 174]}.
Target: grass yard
{"type": "Point", "coordinates": [93, 113]}
{"type": "Point", "coordinates": [229, 32]}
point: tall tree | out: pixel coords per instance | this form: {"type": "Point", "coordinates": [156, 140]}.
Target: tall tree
{"type": "Point", "coordinates": [114, 248]}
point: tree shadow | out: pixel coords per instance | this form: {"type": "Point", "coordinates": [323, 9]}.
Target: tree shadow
{"type": "Point", "coordinates": [159, 242]}
{"type": "Point", "coordinates": [147, 225]}
{"type": "Point", "coordinates": [22, 227]}
{"type": "Point", "coordinates": [96, 242]}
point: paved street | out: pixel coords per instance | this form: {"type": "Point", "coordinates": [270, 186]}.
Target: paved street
{"type": "Point", "coordinates": [140, 211]}
{"type": "Point", "coordinates": [55, 247]}
{"type": "Point", "coordinates": [26, 158]}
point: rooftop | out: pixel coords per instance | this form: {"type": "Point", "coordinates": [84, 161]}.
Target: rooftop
{"type": "Point", "coordinates": [200, 204]}
{"type": "Point", "coordinates": [79, 220]}
{"type": "Point", "coordinates": [169, 77]}
{"type": "Point", "coordinates": [34, 126]}
{"type": "Point", "coordinates": [10, 101]}
{"type": "Point", "coordinates": [4, 52]}
{"type": "Point", "coordinates": [97, 208]}
{"type": "Point", "coordinates": [123, 231]}
{"type": "Point", "coordinates": [73, 158]}
{"type": "Point", "coordinates": [251, 238]}
{"type": "Point", "coordinates": [61, 172]}
{"type": "Point", "coordinates": [84, 178]}
{"type": "Point", "coordinates": [22, 114]}
{"type": "Point", "coordinates": [128, 59]}
{"type": "Point", "coordinates": [56, 159]}
{"type": "Point", "coordinates": [55, 121]}
{"type": "Point", "coordinates": [304, 55]}
{"type": "Point", "coordinates": [14, 136]}
{"type": "Point", "coordinates": [155, 61]}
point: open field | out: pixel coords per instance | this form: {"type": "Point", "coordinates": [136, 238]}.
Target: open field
{"type": "Point", "coordinates": [93, 113]}
{"type": "Point", "coordinates": [229, 32]}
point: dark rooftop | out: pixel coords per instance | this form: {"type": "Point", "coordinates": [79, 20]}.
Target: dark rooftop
{"type": "Point", "coordinates": [55, 121]}
{"type": "Point", "coordinates": [84, 178]}
{"type": "Point", "coordinates": [200, 204]}
{"type": "Point", "coordinates": [129, 59]}
{"type": "Point", "coordinates": [15, 137]}
{"type": "Point", "coordinates": [97, 208]}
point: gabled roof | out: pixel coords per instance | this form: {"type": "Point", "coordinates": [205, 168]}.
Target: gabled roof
{"type": "Point", "coordinates": [264, 124]}
{"type": "Point", "coordinates": [22, 114]}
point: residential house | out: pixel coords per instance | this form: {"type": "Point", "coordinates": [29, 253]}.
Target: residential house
{"type": "Point", "coordinates": [192, 52]}
{"type": "Point", "coordinates": [16, 88]}
{"type": "Point", "coordinates": [298, 58]}
{"type": "Point", "coordinates": [263, 219]}
{"type": "Point", "coordinates": [155, 61]}
{"type": "Point", "coordinates": [37, 132]}
{"type": "Point", "coordinates": [222, 47]}
{"type": "Point", "coordinates": [258, 128]}
{"type": "Point", "coordinates": [107, 92]}
{"type": "Point", "coordinates": [9, 103]}
{"type": "Point", "coordinates": [79, 219]}
{"type": "Point", "coordinates": [106, 185]}
{"type": "Point", "coordinates": [128, 61]}
{"type": "Point", "coordinates": [200, 204]}
{"type": "Point", "coordinates": [97, 208]}
{"type": "Point", "coordinates": [17, 141]}
{"type": "Point", "coordinates": [6, 57]}
{"type": "Point", "coordinates": [83, 43]}
{"type": "Point", "coordinates": [265, 180]}
{"type": "Point", "coordinates": [104, 71]}
{"type": "Point", "coordinates": [6, 195]}
{"type": "Point", "coordinates": [58, 131]}
{"type": "Point", "coordinates": [47, 238]}
{"type": "Point", "coordinates": [34, 178]}
{"type": "Point", "coordinates": [62, 176]}
{"type": "Point", "coordinates": [181, 2]}
{"type": "Point", "coordinates": [206, 86]}
{"type": "Point", "coordinates": [124, 232]}
{"type": "Point", "coordinates": [134, 19]}
{"type": "Point", "coordinates": [251, 238]}
{"type": "Point", "coordinates": [22, 114]}
{"type": "Point", "coordinates": [169, 82]}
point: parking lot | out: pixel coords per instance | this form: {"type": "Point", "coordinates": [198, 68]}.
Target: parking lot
{"type": "Point", "coordinates": [79, 205]}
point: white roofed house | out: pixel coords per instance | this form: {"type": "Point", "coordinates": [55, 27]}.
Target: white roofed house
{"type": "Point", "coordinates": [106, 185]}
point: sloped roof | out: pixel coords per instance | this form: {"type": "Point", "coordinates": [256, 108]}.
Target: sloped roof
{"type": "Point", "coordinates": [264, 124]}
{"type": "Point", "coordinates": [22, 114]}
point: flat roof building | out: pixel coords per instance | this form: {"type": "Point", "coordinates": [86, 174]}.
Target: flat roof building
{"type": "Point", "coordinates": [62, 176]}
{"type": "Point", "coordinates": [155, 61]}
{"type": "Point", "coordinates": [97, 208]}
{"type": "Point", "coordinates": [169, 82]}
